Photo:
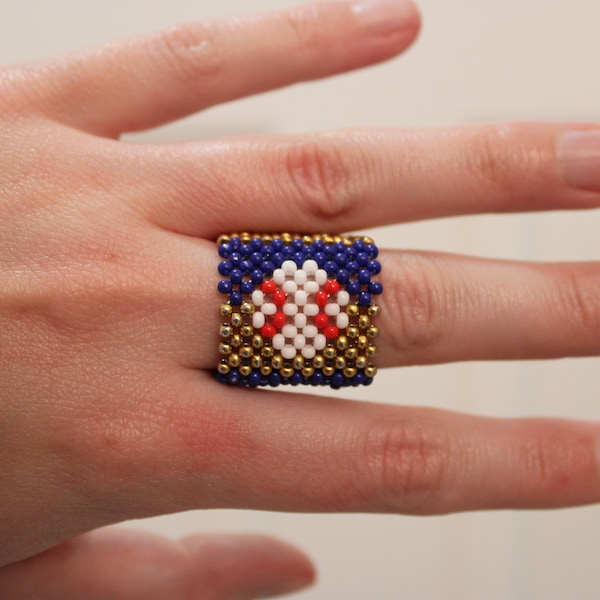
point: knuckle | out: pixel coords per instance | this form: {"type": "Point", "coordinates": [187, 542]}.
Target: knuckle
{"type": "Point", "coordinates": [408, 462]}
{"type": "Point", "coordinates": [189, 50]}
{"type": "Point", "coordinates": [318, 175]}
{"type": "Point", "coordinates": [579, 301]}
{"type": "Point", "coordinates": [420, 299]}
{"type": "Point", "coordinates": [301, 24]}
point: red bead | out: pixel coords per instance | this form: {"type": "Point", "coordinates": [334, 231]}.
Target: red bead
{"type": "Point", "coordinates": [332, 287]}
{"type": "Point", "coordinates": [279, 297]}
{"type": "Point", "coordinates": [279, 320]}
{"type": "Point", "coordinates": [331, 332]}
{"type": "Point", "coordinates": [268, 330]}
{"type": "Point", "coordinates": [321, 320]}
{"type": "Point", "coordinates": [268, 287]}
{"type": "Point", "coordinates": [321, 297]}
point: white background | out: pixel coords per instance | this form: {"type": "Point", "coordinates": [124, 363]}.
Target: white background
{"type": "Point", "coordinates": [476, 60]}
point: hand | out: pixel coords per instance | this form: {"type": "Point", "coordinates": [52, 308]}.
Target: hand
{"type": "Point", "coordinates": [108, 302]}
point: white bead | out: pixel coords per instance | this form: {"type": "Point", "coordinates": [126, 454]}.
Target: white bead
{"type": "Point", "coordinates": [300, 298]}
{"type": "Point", "coordinates": [299, 342]}
{"type": "Point", "coordinates": [268, 308]}
{"type": "Point", "coordinates": [289, 267]}
{"type": "Point", "coordinates": [288, 352]}
{"type": "Point", "coordinates": [311, 310]}
{"type": "Point", "coordinates": [321, 277]}
{"type": "Point", "coordinates": [258, 297]}
{"type": "Point", "coordinates": [332, 309]}
{"type": "Point", "coordinates": [310, 266]}
{"type": "Point", "coordinates": [319, 343]}
{"type": "Point", "coordinates": [290, 287]}
{"type": "Point", "coordinates": [278, 276]}
{"type": "Point", "coordinates": [308, 352]}
{"type": "Point", "coordinates": [300, 320]}
{"type": "Point", "coordinates": [311, 287]}
{"type": "Point", "coordinates": [258, 320]}
{"type": "Point", "coordinates": [310, 331]}
{"type": "Point", "coordinates": [289, 331]}
{"type": "Point", "coordinates": [278, 341]}
{"type": "Point", "coordinates": [342, 320]}
{"type": "Point", "coordinates": [300, 276]}
{"type": "Point", "coordinates": [290, 309]}
{"type": "Point", "coordinates": [343, 298]}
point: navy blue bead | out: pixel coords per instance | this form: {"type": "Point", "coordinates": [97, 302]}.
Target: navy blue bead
{"type": "Point", "coordinates": [368, 381]}
{"type": "Point", "coordinates": [341, 259]}
{"type": "Point", "coordinates": [267, 267]}
{"type": "Point", "coordinates": [225, 268]}
{"type": "Point", "coordinates": [318, 245]}
{"type": "Point", "coordinates": [375, 287]}
{"type": "Point", "coordinates": [288, 252]}
{"type": "Point", "coordinates": [362, 258]}
{"type": "Point", "coordinates": [320, 258]}
{"type": "Point", "coordinates": [317, 378]}
{"type": "Point", "coordinates": [246, 250]}
{"type": "Point", "coordinates": [278, 259]}
{"type": "Point", "coordinates": [246, 267]}
{"type": "Point", "coordinates": [257, 276]}
{"type": "Point", "coordinates": [298, 245]}
{"type": "Point", "coordinates": [364, 299]}
{"type": "Point", "coordinates": [224, 250]}
{"type": "Point", "coordinates": [374, 267]}
{"type": "Point", "coordinates": [225, 286]}
{"type": "Point", "coordinates": [236, 259]}
{"type": "Point", "coordinates": [257, 258]}
{"type": "Point", "coordinates": [296, 379]}
{"type": "Point", "coordinates": [254, 378]}
{"type": "Point", "coordinates": [330, 267]}
{"type": "Point", "coordinates": [256, 243]}
{"type": "Point", "coordinates": [353, 266]}
{"type": "Point", "coordinates": [372, 250]}
{"type": "Point", "coordinates": [343, 276]}
{"type": "Point", "coordinates": [354, 287]}
{"type": "Point", "coordinates": [220, 377]}
{"type": "Point", "coordinates": [358, 245]}
{"type": "Point", "coordinates": [235, 298]}
{"type": "Point", "coordinates": [234, 377]}
{"type": "Point", "coordinates": [267, 251]}
{"type": "Point", "coordinates": [351, 252]}
{"type": "Point", "coordinates": [235, 243]}
{"type": "Point", "coordinates": [277, 244]}
{"type": "Point", "coordinates": [246, 287]}
{"type": "Point", "coordinates": [299, 258]}
{"type": "Point", "coordinates": [339, 247]}
{"type": "Point", "coordinates": [364, 276]}
{"type": "Point", "coordinates": [236, 276]}
{"type": "Point", "coordinates": [359, 378]}
{"type": "Point", "coordinates": [337, 379]}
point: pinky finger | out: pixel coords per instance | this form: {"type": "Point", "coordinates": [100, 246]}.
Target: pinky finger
{"type": "Point", "coordinates": [130, 565]}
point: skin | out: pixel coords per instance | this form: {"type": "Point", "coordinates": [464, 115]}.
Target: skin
{"type": "Point", "coordinates": [108, 409]}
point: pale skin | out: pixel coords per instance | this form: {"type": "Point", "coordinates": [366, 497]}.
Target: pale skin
{"type": "Point", "coordinates": [108, 312]}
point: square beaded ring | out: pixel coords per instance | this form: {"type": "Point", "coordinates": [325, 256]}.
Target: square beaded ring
{"type": "Point", "coordinates": [299, 309]}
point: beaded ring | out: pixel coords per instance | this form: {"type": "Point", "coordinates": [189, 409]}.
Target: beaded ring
{"type": "Point", "coordinates": [299, 309]}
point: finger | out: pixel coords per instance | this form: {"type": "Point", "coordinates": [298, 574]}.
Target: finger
{"type": "Point", "coordinates": [128, 565]}
{"type": "Point", "coordinates": [304, 453]}
{"type": "Point", "coordinates": [156, 78]}
{"type": "Point", "coordinates": [344, 181]}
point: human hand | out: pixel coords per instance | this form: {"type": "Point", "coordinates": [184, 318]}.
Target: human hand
{"type": "Point", "coordinates": [108, 304]}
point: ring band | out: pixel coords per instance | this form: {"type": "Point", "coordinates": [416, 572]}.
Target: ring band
{"type": "Point", "coordinates": [299, 309]}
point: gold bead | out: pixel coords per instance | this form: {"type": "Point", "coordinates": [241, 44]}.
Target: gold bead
{"type": "Point", "coordinates": [318, 361]}
{"type": "Point", "coordinates": [246, 352]}
{"type": "Point", "coordinates": [236, 340]}
{"type": "Point", "coordinates": [225, 330]}
{"type": "Point", "coordinates": [352, 310]}
{"type": "Point", "coordinates": [328, 239]}
{"type": "Point", "coordinates": [266, 370]}
{"type": "Point", "coordinates": [367, 240]}
{"type": "Point", "coordinates": [371, 351]}
{"type": "Point", "coordinates": [287, 238]}
{"type": "Point", "coordinates": [364, 321]}
{"type": "Point", "coordinates": [374, 310]}
{"type": "Point", "coordinates": [257, 362]}
{"type": "Point", "coordinates": [236, 320]}
{"type": "Point", "coordinates": [361, 362]}
{"type": "Point", "coordinates": [342, 342]}
{"type": "Point", "coordinates": [307, 239]}
{"type": "Point", "coordinates": [223, 239]}
{"type": "Point", "coordinates": [245, 370]}
{"type": "Point", "coordinates": [223, 368]}
{"type": "Point", "coordinates": [247, 330]}
{"type": "Point", "coordinates": [257, 341]}
{"type": "Point", "coordinates": [226, 309]}
{"type": "Point", "coordinates": [298, 362]}
{"type": "Point", "coordinates": [225, 348]}
{"type": "Point", "coordinates": [247, 308]}
{"type": "Point", "coordinates": [350, 372]}
{"type": "Point", "coordinates": [235, 360]}
{"type": "Point", "coordinates": [267, 351]}
{"type": "Point", "coordinates": [287, 372]}
{"type": "Point", "coordinates": [373, 331]}
{"type": "Point", "coordinates": [340, 362]}
{"type": "Point", "coordinates": [307, 372]}
{"type": "Point", "coordinates": [371, 371]}
{"type": "Point", "coordinates": [352, 332]}
{"type": "Point", "coordinates": [329, 352]}
{"type": "Point", "coordinates": [363, 342]}
{"type": "Point", "coordinates": [328, 371]}
{"type": "Point", "coordinates": [277, 362]}
{"type": "Point", "coordinates": [267, 239]}
{"type": "Point", "coordinates": [351, 353]}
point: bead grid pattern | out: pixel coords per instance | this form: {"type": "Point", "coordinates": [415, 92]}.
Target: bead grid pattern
{"type": "Point", "coordinates": [299, 309]}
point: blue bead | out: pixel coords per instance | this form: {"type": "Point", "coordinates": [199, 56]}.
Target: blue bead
{"type": "Point", "coordinates": [296, 379]}
{"type": "Point", "coordinates": [267, 267]}
{"type": "Point", "coordinates": [362, 258]}
{"type": "Point", "coordinates": [358, 379]}
{"type": "Point", "coordinates": [353, 266]}
{"type": "Point", "coordinates": [364, 299]}
{"type": "Point", "coordinates": [368, 381]}
{"type": "Point", "coordinates": [246, 287]}
{"type": "Point", "coordinates": [358, 245]}
{"type": "Point", "coordinates": [236, 259]}
{"type": "Point", "coordinates": [225, 286]}
{"type": "Point", "coordinates": [354, 287]}
{"type": "Point", "coordinates": [320, 258]}
{"type": "Point", "coordinates": [235, 298]}
{"type": "Point", "coordinates": [351, 252]}
{"type": "Point", "coordinates": [372, 250]}
{"type": "Point", "coordinates": [299, 258]}
{"type": "Point", "coordinates": [375, 287]}
{"type": "Point", "coordinates": [274, 379]}
{"type": "Point", "coordinates": [257, 276]}
{"type": "Point", "coordinates": [246, 250]}
{"type": "Point", "coordinates": [277, 244]}
{"type": "Point", "coordinates": [317, 378]}
{"type": "Point", "coordinates": [236, 276]}
{"type": "Point", "coordinates": [318, 245]}
{"type": "Point", "coordinates": [256, 243]}
{"type": "Point", "coordinates": [224, 250]}
{"type": "Point", "coordinates": [330, 267]}
{"type": "Point", "coordinates": [234, 377]}
{"type": "Point", "coordinates": [364, 276]}
{"type": "Point", "coordinates": [257, 258]}
{"type": "Point", "coordinates": [337, 379]}
{"type": "Point", "coordinates": [288, 252]}
{"type": "Point", "coordinates": [254, 378]}
{"type": "Point", "coordinates": [341, 259]}
{"type": "Point", "coordinates": [220, 377]}
{"type": "Point", "coordinates": [374, 267]}
{"type": "Point", "coordinates": [225, 268]}
{"type": "Point", "coordinates": [298, 245]}
{"type": "Point", "coordinates": [246, 267]}
{"type": "Point", "coordinates": [343, 276]}
{"type": "Point", "coordinates": [235, 243]}
{"type": "Point", "coordinates": [278, 259]}
{"type": "Point", "coordinates": [267, 251]}
{"type": "Point", "coordinates": [339, 247]}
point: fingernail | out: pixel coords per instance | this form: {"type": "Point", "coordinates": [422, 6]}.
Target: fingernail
{"type": "Point", "coordinates": [386, 16]}
{"type": "Point", "coordinates": [579, 155]}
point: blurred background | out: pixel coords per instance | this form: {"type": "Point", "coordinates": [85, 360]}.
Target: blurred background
{"type": "Point", "coordinates": [475, 61]}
